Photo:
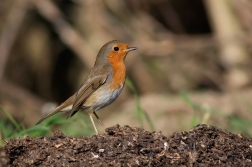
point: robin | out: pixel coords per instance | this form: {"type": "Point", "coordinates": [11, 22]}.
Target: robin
{"type": "Point", "coordinates": [103, 84]}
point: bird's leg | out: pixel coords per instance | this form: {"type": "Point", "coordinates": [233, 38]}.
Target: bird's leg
{"type": "Point", "coordinates": [91, 118]}
{"type": "Point", "coordinates": [104, 128]}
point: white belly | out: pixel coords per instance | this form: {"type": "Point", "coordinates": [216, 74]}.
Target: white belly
{"type": "Point", "coordinates": [102, 97]}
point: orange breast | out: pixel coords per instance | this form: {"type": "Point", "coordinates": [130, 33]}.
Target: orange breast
{"type": "Point", "coordinates": [119, 70]}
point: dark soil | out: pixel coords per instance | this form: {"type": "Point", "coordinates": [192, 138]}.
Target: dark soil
{"type": "Point", "coordinates": [126, 146]}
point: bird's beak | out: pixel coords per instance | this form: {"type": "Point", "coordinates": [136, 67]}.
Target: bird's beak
{"type": "Point", "coordinates": [131, 48]}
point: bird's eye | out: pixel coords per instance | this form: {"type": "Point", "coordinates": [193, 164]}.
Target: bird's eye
{"type": "Point", "coordinates": [116, 48]}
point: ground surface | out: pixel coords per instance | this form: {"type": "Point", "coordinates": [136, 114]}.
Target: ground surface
{"type": "Point", "coordinates": [126, 146]}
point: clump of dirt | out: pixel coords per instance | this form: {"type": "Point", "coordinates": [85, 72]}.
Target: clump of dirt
{"type": "Point", "coordinates": [126, 146]}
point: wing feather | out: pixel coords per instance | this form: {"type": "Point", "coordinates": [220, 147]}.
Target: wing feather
{"type": "Point", "coordinates": [85, 91]}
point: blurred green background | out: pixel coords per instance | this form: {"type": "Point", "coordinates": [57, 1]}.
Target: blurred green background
{"type": "Point", "coordinates": [193, 63]}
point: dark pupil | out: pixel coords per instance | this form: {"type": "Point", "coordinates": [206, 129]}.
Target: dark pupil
{"type": "Point", "coordinates": [116, 48]}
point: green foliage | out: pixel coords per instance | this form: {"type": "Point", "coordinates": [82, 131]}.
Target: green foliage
{"type": "Point", "coordinates": [140, 112]}
{"type": "Point", "coordinates": [73, 126]}
{"type": "Point", "coordinates": [12, 129]}
{"type": "Point", "coordinates": [80, 125]}
{"type": "Point", "coordinates": [240, 125]}
{"type": "Point", "coordinates": [204, 114]}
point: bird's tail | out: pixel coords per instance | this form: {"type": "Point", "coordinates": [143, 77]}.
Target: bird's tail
{"type": "Point", "coordinates": [64, 107]}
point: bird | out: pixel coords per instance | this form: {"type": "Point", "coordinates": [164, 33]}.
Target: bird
{"type": "Point", "coordinates": [102, 86]}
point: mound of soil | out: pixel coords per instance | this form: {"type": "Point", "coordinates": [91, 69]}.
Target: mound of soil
{"type": "Point", "coordinates": [126, 146]}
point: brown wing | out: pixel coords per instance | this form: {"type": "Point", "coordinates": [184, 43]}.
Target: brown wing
{"type": "Point", "coordinates": [85, 91]}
